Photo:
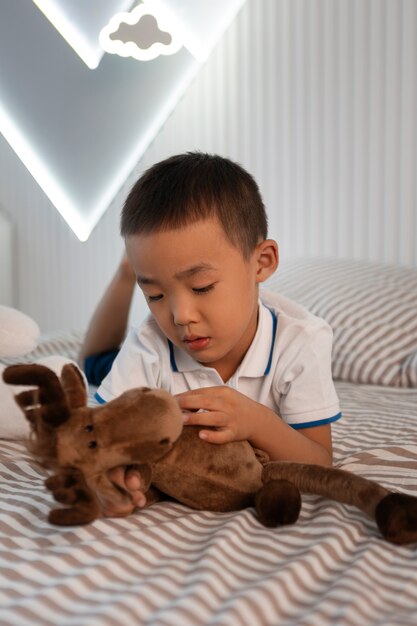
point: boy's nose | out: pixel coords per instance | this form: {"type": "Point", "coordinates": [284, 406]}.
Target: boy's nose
{"type": "Point", "coordinates": [184, 313]}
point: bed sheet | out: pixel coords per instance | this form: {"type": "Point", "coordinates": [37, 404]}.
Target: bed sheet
{"type": "Point", "coordinates": [170, 565]}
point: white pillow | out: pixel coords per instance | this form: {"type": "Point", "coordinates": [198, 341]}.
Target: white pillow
{"type": "Point", "coordinates": [18, 332]}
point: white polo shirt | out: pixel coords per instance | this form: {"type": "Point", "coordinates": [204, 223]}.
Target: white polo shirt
{"type": "Point", "coordinates": [287, 366]}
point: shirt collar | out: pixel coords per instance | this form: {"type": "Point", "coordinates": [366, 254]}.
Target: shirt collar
{"type": "Point", "coordinates": [256, 362]}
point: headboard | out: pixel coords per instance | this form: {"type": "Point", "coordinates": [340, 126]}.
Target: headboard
{"type": "Point", "coordinates": [6, 245]}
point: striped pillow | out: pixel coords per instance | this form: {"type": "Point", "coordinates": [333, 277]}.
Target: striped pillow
{"type": "Point", "coordinates": [372, 309]}
{"type": "Point", "coordinates": [63, 343]}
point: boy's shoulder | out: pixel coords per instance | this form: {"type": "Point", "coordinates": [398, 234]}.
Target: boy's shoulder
{"type": "Point", "coordinates": [293, 311]}
{"type": "Point", "coordinates": [297, 327]}
{"type": "Point", "coordinates": [301, 337]}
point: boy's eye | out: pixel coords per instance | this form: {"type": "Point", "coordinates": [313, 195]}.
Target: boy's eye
{"type": "Point", "coordinates": [206, 289]}
{"type": "Point", "coordinates": [154, 298]}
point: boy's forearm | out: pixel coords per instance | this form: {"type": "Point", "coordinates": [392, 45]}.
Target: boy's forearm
{"type": "Point", "coordinates": [108, 325]}
{"type": "Point", "coordinates": [283, 443]}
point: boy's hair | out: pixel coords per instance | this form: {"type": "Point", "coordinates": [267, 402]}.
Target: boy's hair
{"type": "Point", "coordinates": [189, 187]}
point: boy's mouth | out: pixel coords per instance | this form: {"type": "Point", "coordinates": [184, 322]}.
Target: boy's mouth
{"type": "Point", "coordinates": [196, 343]}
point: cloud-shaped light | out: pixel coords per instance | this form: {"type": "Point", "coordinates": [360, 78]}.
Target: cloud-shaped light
{"type": "Point", "coordinates": [144, 33]}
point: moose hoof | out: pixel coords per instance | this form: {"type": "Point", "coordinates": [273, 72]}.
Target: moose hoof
{"type": "Point", "coordinates": [60, 481]}
{"type": "Point", "coordinates": [53, 482]}
{"type": "Point", "coordinates": [71, 516]}
{"type": "Point", "coordinates": [65, 496]}
{"type": "Point", "coordinates": [278, 503]}
{"type": "Point", "coordinates": [396, 516]}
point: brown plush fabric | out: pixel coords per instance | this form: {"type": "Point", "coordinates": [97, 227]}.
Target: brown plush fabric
{"type": "Point", "coordinates": [144, 427]}
{"type": "Point", "coordinates": [207, 476]}
{"type": "Point", "coordinates": [350, 488]}
{"type": "Point", "coordinates": [278, 503]}
{"type": "Point", "coordinates": [396, 517]}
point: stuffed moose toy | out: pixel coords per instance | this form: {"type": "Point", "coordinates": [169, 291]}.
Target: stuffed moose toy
{"type": "Point", "coordinates": [144, 427]}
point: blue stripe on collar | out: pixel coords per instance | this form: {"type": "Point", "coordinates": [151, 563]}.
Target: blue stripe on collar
{"type": "Point", "coordinates": [271, 351]}
{"type": "Point", "coordinates": [172, 356]}
{"type": "Point", "coordinates": [274, 333]}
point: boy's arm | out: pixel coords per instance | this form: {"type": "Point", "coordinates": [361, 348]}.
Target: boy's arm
{"type": "Point", "coordinates": [108, 324]}
{"type": "Point", "coordinates": [236, 417]}
{"type": "Point", "coordinates": [281, 441]}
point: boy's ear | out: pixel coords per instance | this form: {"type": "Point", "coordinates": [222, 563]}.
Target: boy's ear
{"type": "Point", "coordinates": [267, 259]}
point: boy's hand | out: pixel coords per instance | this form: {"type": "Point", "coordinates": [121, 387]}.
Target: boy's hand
{"type": "Point", "coordinates": [130, 480]}
{"type": "Point", "coordinates": [237, 418]}
{"type": "Point", "coordinates": [229, 411]}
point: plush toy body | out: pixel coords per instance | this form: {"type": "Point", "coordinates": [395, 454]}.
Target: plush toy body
{"type": "Point", "coordinates": [144, 427]}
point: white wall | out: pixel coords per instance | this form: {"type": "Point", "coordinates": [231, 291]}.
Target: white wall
{"type": "Point", "coordinates": [317, 98]}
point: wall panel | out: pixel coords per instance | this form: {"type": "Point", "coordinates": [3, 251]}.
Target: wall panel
{"type": "Point", "coordinates": [317, 98]}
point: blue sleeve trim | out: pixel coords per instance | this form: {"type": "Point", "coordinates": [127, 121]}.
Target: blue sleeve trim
{"type": "Point", "coordinates": [99, 398]}
{"type": "Point", "coordinates": [328, 420]}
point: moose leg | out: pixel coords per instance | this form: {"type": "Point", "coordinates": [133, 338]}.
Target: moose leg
{"type": "Point", "coordinates": [396, 516]}
{"type": "Point", "coordinates": [394, 513]}
{"type": "Point", "coordinates": [277, 503]}
{"type": "Point", "coordinates": [71, 489]}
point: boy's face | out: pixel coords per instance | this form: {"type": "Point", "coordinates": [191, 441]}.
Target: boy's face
{"type": "Point", "coordinates": [201, 291]}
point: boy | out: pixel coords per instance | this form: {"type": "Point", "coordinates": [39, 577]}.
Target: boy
{"type": "Point", "coordinates": [242, 365]}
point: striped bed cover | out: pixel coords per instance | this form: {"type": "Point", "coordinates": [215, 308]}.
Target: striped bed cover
{"type": "Point", "coordinates": [170, 565]}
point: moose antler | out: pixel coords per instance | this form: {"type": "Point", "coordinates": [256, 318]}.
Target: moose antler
{"type": "Point", "coordinates": [45, 407]}
{"type": "Point", "coordinates": [73, 387]}
{"type": "Point", "coordinates": [50, 397]}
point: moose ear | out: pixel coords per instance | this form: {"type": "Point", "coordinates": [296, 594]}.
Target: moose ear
{"type": "Point", "coordinates": [73, 385]}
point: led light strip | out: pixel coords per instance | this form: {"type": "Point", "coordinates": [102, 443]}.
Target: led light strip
{"type": "Point", "coordinates": [42, 175]}
{"type": "Point", "coordinates": [80, 224]}
{"type": "Point", "coordinates": [132, 160]}
{"type": "Point", "coordinates": [67, 29]}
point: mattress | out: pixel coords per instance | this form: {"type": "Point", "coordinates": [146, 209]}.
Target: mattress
{"type": "Point", "coordinates": [170, 565]}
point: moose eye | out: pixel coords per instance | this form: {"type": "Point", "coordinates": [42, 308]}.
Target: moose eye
{"type": "Point", "coordinates": [92, 444]}
{"type": "Point", "coordinates": [164, 441]}
{"type": "Point", "coordinates": [89, 428]}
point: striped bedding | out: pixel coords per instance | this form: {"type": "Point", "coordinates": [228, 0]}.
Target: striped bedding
{"type": "Point", "coordinates": [170, 565]}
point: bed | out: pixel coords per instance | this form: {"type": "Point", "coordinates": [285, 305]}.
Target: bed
{"type": "Point", "coordinates": [170, 565]}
